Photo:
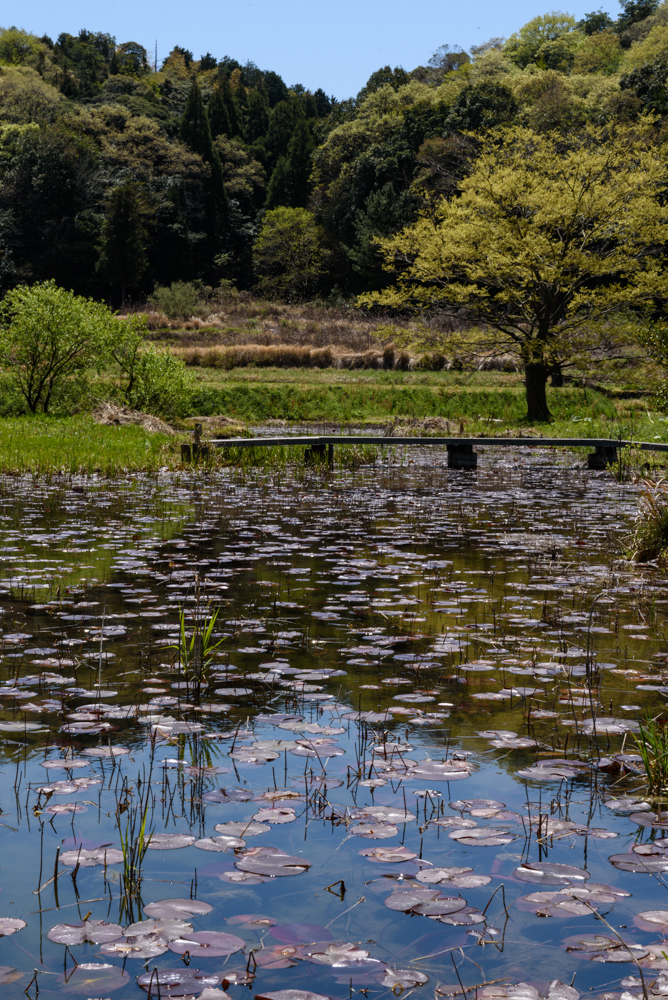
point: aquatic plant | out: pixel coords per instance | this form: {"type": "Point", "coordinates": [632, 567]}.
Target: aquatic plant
{"type": "Point", "coordinates": [650, 536]}
{"type": "Point", "coordinates": [652, 745]}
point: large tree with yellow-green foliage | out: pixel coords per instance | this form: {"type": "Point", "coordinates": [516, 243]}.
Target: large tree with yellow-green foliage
{"type": "Point", "coordinates": [546, 235]}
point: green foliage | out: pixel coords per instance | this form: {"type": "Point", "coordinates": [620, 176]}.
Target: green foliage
{"type": "Point", "coordinates": [180, 300]}
{"type": "Point", "coordinates": [289, 256]}
{"type": "Point", "coordinates": [545, 237]}
{"type": "Point", "coordinates": [482, 106]}
{"type": "Point", "coordinates": [650, 536]}
{"type": "Point", "coordinates": [634, 11]}
{"type": "Point", "coordinates": [548, 40]}
{"type": "Point", "coordinates": [123, 259]}
{"type": "Point", "coordinates": [592, 24]}
{"type": "Point", "coordinates": [155, 381]}
{"type": "Point", "coordinates": [649, 84]}
{"type": "Point", "coordinates": [652, 745]}
{"type": "Point", "coordinates": [49, 341]}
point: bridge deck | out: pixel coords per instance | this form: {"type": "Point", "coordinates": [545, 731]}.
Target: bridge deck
{"type": "Point", "coordinates": [495, 442]}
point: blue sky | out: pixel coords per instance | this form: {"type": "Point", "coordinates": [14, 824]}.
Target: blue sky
{"type": "Point", "coordinates": [334, 45]}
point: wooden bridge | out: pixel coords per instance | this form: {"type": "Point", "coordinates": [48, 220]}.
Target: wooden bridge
{"type": "Point", "coordinates": [461, 450]}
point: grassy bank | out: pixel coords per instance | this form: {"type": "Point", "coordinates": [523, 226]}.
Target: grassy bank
{"type": "Point", "coordinates": [70, 445]}
{"type": "Point", "coordinates": [446, 403]}
{"type": "Point", "coordinates": [486, 402]}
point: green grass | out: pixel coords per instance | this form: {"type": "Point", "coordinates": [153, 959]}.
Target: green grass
{"type": "Point", "coordinates": [70, 445]}
{"type": "Point", "coordinates": [487, 402]}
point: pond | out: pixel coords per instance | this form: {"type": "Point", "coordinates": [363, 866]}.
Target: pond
{"type": "Point", "coordinates": [408, 765]}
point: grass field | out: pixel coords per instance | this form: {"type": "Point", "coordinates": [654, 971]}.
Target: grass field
{"type": "Point", "coordinates": [484, 403]}
{"type": "Point", "coordinates": [71, 445]}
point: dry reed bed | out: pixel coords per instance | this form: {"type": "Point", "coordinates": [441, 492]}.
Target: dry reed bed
{"type": "Point", "coordinates": [301, 356]}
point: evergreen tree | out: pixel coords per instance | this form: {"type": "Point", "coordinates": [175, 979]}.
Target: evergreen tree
{"type": "Point", "coordinates": [231, 107]}
{"type": "Point", "coordinates": [195, 132]}
{"type": "Point", "coordinates": [219, 119]}
{"type": "Point", "coordinates": [278, 188]}
{"type": "Point", "coordinates": [122, 259]}
{"type": "Point", "coordinates": [300, 152]}
{"type": "Point", "coordinates": [275, 87]}
{"type": "Point", "coordinates": [257, 118]}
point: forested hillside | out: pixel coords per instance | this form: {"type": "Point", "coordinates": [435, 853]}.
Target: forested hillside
{"type": "Point", "coordinates": [117, 176]}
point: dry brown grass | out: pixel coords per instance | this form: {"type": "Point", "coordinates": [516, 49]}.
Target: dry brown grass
{"type": "Point", "coordinates": [245, 320]}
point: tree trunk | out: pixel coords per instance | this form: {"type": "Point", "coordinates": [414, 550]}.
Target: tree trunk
{"type": "Point", "coordinates": [557, 376]}
{"type": "Point", "coordinates": [536, 381]}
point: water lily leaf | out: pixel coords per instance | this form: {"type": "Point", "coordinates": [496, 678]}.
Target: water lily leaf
{"type": "Point", "coordinates": [94, 979]}
{"type": "Point", "coordinates": [162, 927]}
{"type": "Point", "coordinates": [652, 920]}
{"type": "Point", "coordinates": [290, 995]}
{"type": "Point", "coordinates": [177, 909]}
{"type": "Point", "coordinates": [374, 831]}
{"type": "Point", "coordinates": [168, 841]}
{"type": "Point", "coordinates": [405, 979]}
{"type": "Point", "coordinates": [8, 975]}
{"type": "Point", "coordinates": [242, 829]}
{"type": "Point", "coordinates": [143, 947]}
{"type": "Point", "coordinates": [429, 902]}
{"type": "Point", "coordinates": [222, 795]}
{"type": "Point", "coordinates": [341, 955]}
{"type": "Point", "coordinates": [388, 855]}
{"type": "Point", "coordinates": [463, 878]}
{"type": "Point", "coordinates": [282, 815]}
{"type": "Point", "coordinates": [550, 873]}
{"type": "Point", "coordinates": [279, 956]}
{"type": "Point", "coordinates": [181, 982]}
{"type": "Point", "coordinates": [220, 843]}
{"type": "Point", "coordinates": [273, 865]}
{"type": "Point", "coordinates": [88, 859]}
{"type": "Point", "coordinates": [95, 931]}
{"type": "Point", "coordinates": [207, 943]}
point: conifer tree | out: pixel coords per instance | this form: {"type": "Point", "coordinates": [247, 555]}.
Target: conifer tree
{"type": "Point", "coordinates": [219, 119]}
{"type": "Point", "coordinates": [122, 259]}
{"type": "Point", "coordinates": [231, 107]}
{"type": "Point", "coordinates": [195, 132]}
{"type": "Point", "coordinates": [257, 117]}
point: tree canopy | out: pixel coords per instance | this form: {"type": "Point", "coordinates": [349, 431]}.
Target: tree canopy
{"type": "Point", "coordinates": [548, 233]}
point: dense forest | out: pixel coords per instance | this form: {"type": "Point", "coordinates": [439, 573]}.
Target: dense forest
{"type": "Point", "coordinates": [118, 175]}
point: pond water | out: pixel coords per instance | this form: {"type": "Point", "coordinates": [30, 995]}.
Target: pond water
{"type": "Point", "coordinates": [397, 774]}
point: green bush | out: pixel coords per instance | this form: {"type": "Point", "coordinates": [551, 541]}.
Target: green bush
{"type": "Point", "coordinates": [180, 300]}
{"type": "Point", "coordinates": [50, 341]}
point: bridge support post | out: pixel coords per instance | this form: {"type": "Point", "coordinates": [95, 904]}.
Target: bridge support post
{"type": "Point", "coordinates": [462, 456]}
{"type": "Point", "coordinates": [602, 457]}
{"type": "Point", "coordinates": [316, 453]}
{"type": "Point", "coordinates": [330, 455]}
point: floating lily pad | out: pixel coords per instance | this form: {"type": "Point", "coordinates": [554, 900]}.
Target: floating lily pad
{"type": "Point", "coordinates": [273, 865]}
{"type": "Point", "coordinates": [181, 982]}
{"type": "Point", "coordinates": [94, 979]}
{"type": "Point", "coordinates": [550, 873]}
{"type": "Point", "coordinates": [177, 909]}
{"type": "Point", "coordinates": [95, 931]}
{"type": "Point", "coordinates": [168, 841]}
{"type": "Point", "coordinates": [207, 943]}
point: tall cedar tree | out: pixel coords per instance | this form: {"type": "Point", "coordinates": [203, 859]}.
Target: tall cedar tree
{"type": "Point", "coordinates": [195, 132]}
{"type": "Point", "coordinates": [219, 119]}
{"type": "Point", "coordinates": [123, 261]}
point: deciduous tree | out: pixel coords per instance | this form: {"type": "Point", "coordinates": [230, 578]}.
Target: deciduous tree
{"type": "Point", "coordinates": [546, 235]}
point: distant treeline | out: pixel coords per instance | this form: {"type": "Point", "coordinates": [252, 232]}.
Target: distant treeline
{"type": "Point", "coordinates": [117, 175]}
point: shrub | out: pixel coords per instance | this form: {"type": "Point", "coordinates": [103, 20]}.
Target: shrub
{"type": "Point", "coordinates": [50, 339]}
{"type": "Point", "coordinates": [180, 300]}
